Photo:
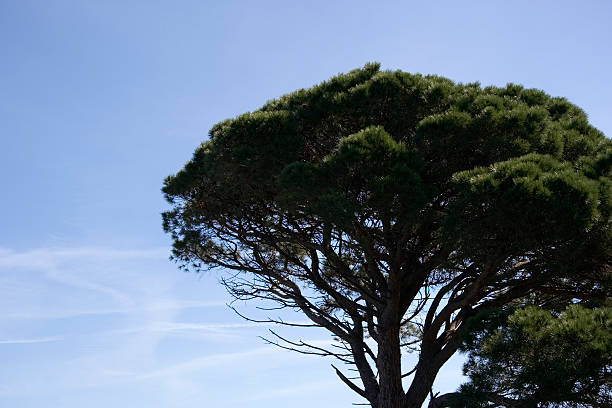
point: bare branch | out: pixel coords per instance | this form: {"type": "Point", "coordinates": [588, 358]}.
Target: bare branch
{"type": "Point", "coordinates": [350, 384]}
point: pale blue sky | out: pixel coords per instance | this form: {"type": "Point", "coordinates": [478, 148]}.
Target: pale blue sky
{"type": "Point", "coordinates": [100, 100]}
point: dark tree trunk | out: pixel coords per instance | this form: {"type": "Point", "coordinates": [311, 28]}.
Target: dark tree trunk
{"type": "Point", "coordinates": [424, 378]}
{"type": "Point", "coordinates": [391, 393]}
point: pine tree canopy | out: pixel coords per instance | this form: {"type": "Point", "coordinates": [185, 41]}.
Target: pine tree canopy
{"type": "Point", "coordinates": [534, 358]}
{"type": "Point", "coordinates": [391, 207]}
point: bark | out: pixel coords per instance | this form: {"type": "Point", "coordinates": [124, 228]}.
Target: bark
{"type": "Point", "coordinates": [388, 359]}
{"type": "Point", "coordinates": [391, 393]}
{"type": "Point", "coordinates": [432, 358]}
{"type": "Point", "coordinates": [423, 380]}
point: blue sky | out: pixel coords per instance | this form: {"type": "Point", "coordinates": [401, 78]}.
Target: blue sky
{"type": "Point", "coordinates": [100, 100]}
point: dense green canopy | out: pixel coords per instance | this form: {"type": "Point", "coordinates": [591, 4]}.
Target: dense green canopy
{"type": "Point", "coordinates": [381, 199]}
{"type": "Point", "coordinates": [533, 358]}
{"type": "Point", "coordinates": [388, 144]}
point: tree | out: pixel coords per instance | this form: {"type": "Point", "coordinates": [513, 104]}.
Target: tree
{"type": "Point", "coordinates": [533, 358]}
{"type": "Point", "coordinates": [390, 208]}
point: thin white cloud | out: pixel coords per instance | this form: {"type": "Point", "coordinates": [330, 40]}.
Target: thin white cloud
{"type": "Point", "coordinates": [184, 326]}
{"type": "Point", "coordinates": [102, 281]}
{"type": "Point", "coordinates": [32, 340]}
{"type": "Point", "coordinates": [214, 327]}
{"type": "Point", "coordinates": [105, 271]}
{"type": "Point", "coordinates": [74, 313]}
{"type": "Point", "coordinates": [274, 393]}
{"type": "Point", "coordinates": [208, 361]}
{"type": "Point", "coordinates": [217, 360]}
{"type": "Point", "coordinates": [45, 257]}
{"type": "Point", "coordinates": [55, 264]}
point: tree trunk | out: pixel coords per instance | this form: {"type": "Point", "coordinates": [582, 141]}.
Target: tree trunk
{"type": "Point", "coordinates": [424, 378]}
{"type": "Point", "coordinates": [391, 392]}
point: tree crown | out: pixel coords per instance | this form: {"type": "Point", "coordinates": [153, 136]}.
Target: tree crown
{"type": "Point", "coordinates": [382, 199]}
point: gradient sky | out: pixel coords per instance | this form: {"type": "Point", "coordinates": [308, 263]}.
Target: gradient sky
{"type": "Point", "coordinates": [100, 100]}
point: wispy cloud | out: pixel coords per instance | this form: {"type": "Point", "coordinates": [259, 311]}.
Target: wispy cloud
{"type": "Point", "coordinates": [74, 267]}
{"type": "Point", "coordinates": [208, 361]}
{"type": "Point", "coordinates": [157, 306]}
{"type": "Point", "coordinates": [274, 393]}
{"type": "Point", "coordinates": [32, 340]}
{"type": "Point", "coordinates": [45, 257]}
{"type": "Point", "coordinates": [148, 299]}
{"type": "Point", "coordinates": [172, 327]}
{"type": "Point", "coordinates": [169, 327]}
{"type": "Point", "coordinates": [113, 276]}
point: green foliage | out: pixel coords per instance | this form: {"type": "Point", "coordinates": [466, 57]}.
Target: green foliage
{"type": "Point", "coordinates": [375, 195]}
{"type": "Point", "coordinates": [525, 201]}
{"type": "Point", "coordinates": [534, 358]}
{"type": "Point", "coordinates": [369, 173]}
{"type": "Point", "coordinates": [507, 164]}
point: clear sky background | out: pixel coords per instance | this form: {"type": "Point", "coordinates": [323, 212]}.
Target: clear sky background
{"type": "Point", "coordinates": [100, 100]}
